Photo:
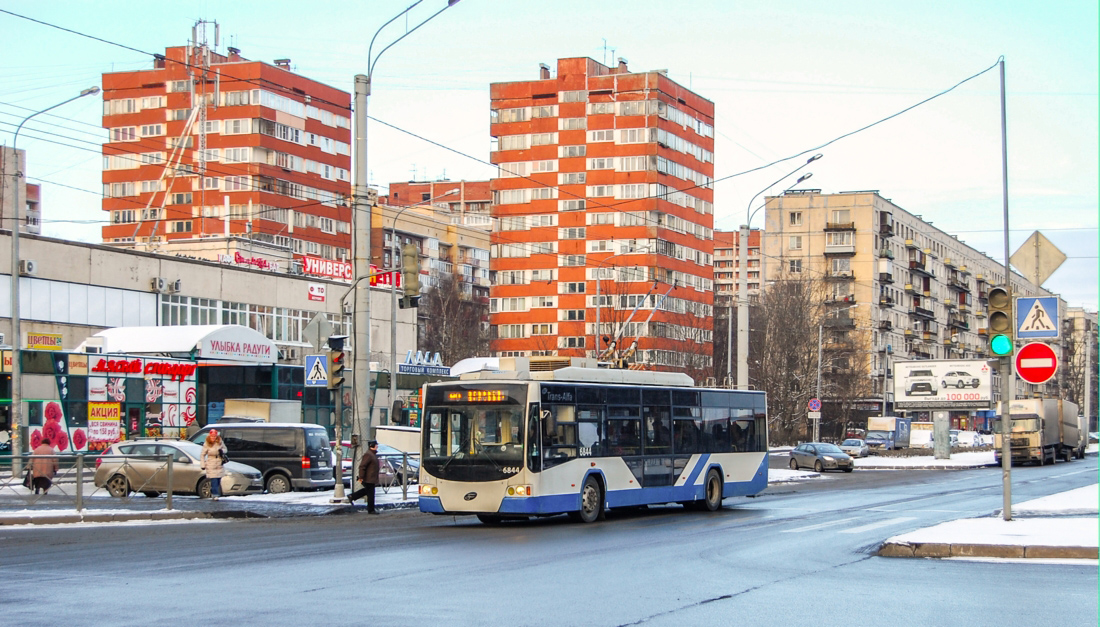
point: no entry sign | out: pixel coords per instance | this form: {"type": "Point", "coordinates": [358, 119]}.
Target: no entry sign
{"type": "Point", "coordinates": [1036, 362]}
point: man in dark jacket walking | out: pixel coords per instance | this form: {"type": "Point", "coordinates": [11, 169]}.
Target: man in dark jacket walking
{"type": "Point", "coordinates": [368, 476]}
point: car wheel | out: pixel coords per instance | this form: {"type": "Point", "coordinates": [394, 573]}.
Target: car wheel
{"type": "Point", "coordinates": [817, 466]}
{"type": "Point", "coordinates": [118, 486]}
{"type": "Point", "coordinates": [794, 464]}
{"type": "Point", "coordinates": [713, 491]}
{"type": "Point", "coordinates": [960, 385]}
{"type": "Point", "coordinates": [943, 384]}
{"type": "Point", "coordinates": [152, 494]}
{"type": "Point", "coordinates": [591, 501]}
{"type": "Point", "coordinates": [278, 484]}
{"type": "Point", "coordinates": [203, 489]}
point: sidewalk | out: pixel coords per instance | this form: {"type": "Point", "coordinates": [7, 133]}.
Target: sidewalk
{"type": "Point", "coordinates": [1059, 526]}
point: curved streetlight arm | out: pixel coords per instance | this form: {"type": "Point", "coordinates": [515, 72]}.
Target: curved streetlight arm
{"type": "Point", "coordinates": [749, 212]}
{"type": "Point", "coordinates": [370, 64]}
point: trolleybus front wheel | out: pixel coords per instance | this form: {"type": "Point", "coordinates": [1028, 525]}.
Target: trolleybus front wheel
{"type": "Point", "coordinates": [591, 502]}
{"type": "Point", "coordinates": [713, 500]}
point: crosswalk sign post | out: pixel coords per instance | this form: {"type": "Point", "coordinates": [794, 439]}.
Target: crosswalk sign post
{"type": "Point", "coordinates": [1037, 317]}
{"type": "Point", "coordinates": [316, 371]}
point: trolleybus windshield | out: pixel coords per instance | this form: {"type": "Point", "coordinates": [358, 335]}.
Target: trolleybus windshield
{"type": "Point", "coordinates": [474, 433]}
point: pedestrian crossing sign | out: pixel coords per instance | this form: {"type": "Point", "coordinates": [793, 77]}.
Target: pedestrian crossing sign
{"type": "Point", "coordinates": [1036, 317]}
{"type": "Point", "coordinates": [316, 371]}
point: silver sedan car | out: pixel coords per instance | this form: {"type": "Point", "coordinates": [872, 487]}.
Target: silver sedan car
{"type": "Point", "coordinates": [141, 466]}
{"type": "Point", "coordinates": [821, 457]}
{"type": "Point", "coordinates": [855, 447]}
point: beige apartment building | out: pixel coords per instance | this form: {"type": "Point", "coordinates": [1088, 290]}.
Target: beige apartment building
{"type": "Point", "coordinates": [919, 291]}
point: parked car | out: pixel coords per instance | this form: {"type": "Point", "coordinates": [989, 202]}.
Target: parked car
{"type": "Point", "coordinates": [959, 379]}
{"type": "Point", "coordinates": [144, 469]}
{"type": "Point", "coordinates": [855, 447]}
{"type": "Point", "coordinates": [921, 382]}
{"type": "Point", "coordinates": [291, 456]}
{"type": "Point", "coordinates": [389, 459]}
{"type": "Point", "coordinates": [821, 456]}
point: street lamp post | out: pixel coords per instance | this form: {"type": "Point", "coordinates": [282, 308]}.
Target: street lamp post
{"type": "Point", "coordinates": [599, 270]}
{"type": "Point", "coordinates": [16, 360]}
{"type": "Point", "coordinates": [743, 285]}
{"type": "Point", "coordinates": [361, 221]}
{"type": "Point", "coordinates": [394, 255]}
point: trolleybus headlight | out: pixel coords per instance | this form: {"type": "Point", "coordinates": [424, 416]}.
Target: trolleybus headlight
{"type": "Point", "coordinates": [519, 490]}
{"type": "Point", "coordinates": [428, 490]}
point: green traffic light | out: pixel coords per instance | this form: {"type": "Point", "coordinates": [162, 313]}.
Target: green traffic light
{"type": "Point", "coordinates": [1001, 345]}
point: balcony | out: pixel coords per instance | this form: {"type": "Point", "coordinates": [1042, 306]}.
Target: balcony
{"type": "Point", "coordinates": [839, 323]}
{"type": "Point", "coordinates": [886, 228]}
{"type": "Point", "coordinates": [911, 244]}
{"type": "Point", "coordinates": [885, 325]}
{"type": "Point", "coordinates": [964, 271]}
{"type": "Point", "coordinates": [982, 295]}
{"type": "Point", "coordinates": [949, 262]}
{"type": "Point", "coordinates": [840, 226]}
{"type": "Point", "coordinates": [886, 301]}
{"type": "Point", "coordinates": [979, 314]}
{"type": "Point", "coordinates": [910, 289]}
{"type": "Point", "coordinates": [921, 353]}
{"type": "Point", "coordinates": [840, 275]}
{"type": "Point", "coordinates": [919, 268]}
{"type": "Point", "coordinates": [928, 253]}
{"type": "Point", "coordinates": [958, 322]}
{"type": "Point", "coordinates": [835, 299]}
{"type": "Point", "coordinates": [949, 303]}
{"type": "Point", "coordinates": [983, 331]}
{"type": "Point", "coordinates": [921, 312]}
{"type": "Point", "coordinates": [840, 249]}
{"type": "Point", "coordinates": [885, 277]}
{"type": "Point", "coordinates": [886, 253]}
{"type": "Point", "coordinates": [963, 307]}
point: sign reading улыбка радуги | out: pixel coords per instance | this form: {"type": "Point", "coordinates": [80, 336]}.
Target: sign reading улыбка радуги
{"type": "Point", "coordinates": [422, 363]}
{"type": "Point", "coordinates": [1036, 317]}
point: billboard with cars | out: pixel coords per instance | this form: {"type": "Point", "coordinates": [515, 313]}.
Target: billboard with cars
{"type": "Point", "coordinates": [946, 384]}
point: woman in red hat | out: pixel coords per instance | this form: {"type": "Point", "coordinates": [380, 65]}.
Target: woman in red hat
{"type": "Point", "coordinates": [213, 456]}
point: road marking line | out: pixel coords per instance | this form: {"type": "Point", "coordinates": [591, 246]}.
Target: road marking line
{"type": "Point", "coordinates": [819, 526]}
{"type": "Point", "coordinates": [881, 523]}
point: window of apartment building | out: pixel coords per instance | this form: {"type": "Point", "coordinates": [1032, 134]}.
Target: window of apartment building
{"type": "Point", "coordinates": [238, 183]}
{"type": "Point", "coordinates": [210, 182]}
{"type": "Point", "coordinates": [795, 242]}
{"type": "Point", "coordinates": [174, 86]}
{"type": "Point", "coordinates": [514, 142]}
{"type": "Point", "coordinates": [544, 139]}
{"type": "Point", "coordinates": [543, 248]}
{"type": "Point", "coordinates": [838, 238]}
{"type": "Point", "coordinates": [177, 114]}
{"type": "Point", "coordinates": [542, 275]}
{"type": "Point", "coordinates": [519, 114]}
{"type": "Point", "coordinates": [795, 218]}
{"type": "Point", "coordinates": [507, 170]}
{"type": "Point", "coordinates": [547, 165]}
{"type": "Point", "coordinates": [544, 302]}
{"type": "Point", "coordinates": [544, 193]}
{"type": "Point", "coordinates": [600, 246]}
{"type": "Point", "coordinates": [571, 178]}
{"type": "Point", "coordinates": [123, 216]}
{"type": "Point", "coordinates": [122, 105]}
{"type": "Point", "coordinates": [601, 190]}
{"type": "Point", "coordinates": [237, 155]}
{"type": "Point", "coordinates": [633, 190]}
{"type": "Point", "coordinates": [637, 163]}
{"type": "Point", "coordinates": [152, 130]}
{"type": "Point", "coordinates": [579, 95]}
{"type": "Point", "coordinates": [601, 163]}
{"type": "Point", "coordinates": [118, 190]}
{"type": "Point", "coordinates": [328, 225]}
{"type": "Point", "coordinates": [841, 216]}
{"type": "Point", "coordinates": [601, 108]}
{"type": "Point", "coordinates": [124, 134]}
{"type": "Point", "coordinates": [511, 277]}
{"type": "Point", "coordinates": [153, 186]}
{"type": "Point", "coordinates": [840, 266]}
{"type": "Point", "coordinates": [182, 226]}
{"type": "Point", "coordinates": [571, 233]}
{"type": "Point", "coordinates": [600, 218]}
{"type": "Point", "coordinates": [571, 315]}
{"type": "Point", "coordinates": [150, 214]}
{"type": "Point", "coordinates": [637, 135]}
{"type": "Point", "coordinates": [571, 151]}
{"type": "Point", "coordinates": [511, 331]}
{"type": "Point", "coordinates": [180, 198]}
{"type": "Point", "coordinates": [236, 98]}
{"type": "Point", "coordinates": [510, 196]}
{"type": "Point", "coordinates": [606, 135]}
{"type": "Point", "coordinates": [241, 126]}
{"type": "Point", "coordinates": [152, 102]}
{"type": "Point", "coordinates": [211, 154]}
{"type": "Point", "coordinates": [572, 260]}
{"type": "Point", "coordinates": [213, 126]}
{"type": "Point", "coordinates": [152, 158]}
{"type": "Point", "coordinates": [572, 124]}
{"type": "Point", "coordinates": [178, 142]}
{"type": "Point", "coordinates": [544, 111]}
{"type": "Point", "coordinates": [513, 223]}
{"type": "Point", "coordinates": [633, 107]}
{"type": "Point", "coordinates": [571, 342]}
{"type": "Point", "coordinates": [542, 329]}
{"type": "Point", "coordinates": [571, 288]}
{"type": "Point", "coordinates": [571, 205]}
{"type": "Point", "coordinates": [794, 266]}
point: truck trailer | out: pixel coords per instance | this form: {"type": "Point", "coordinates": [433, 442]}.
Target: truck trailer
{"type": "Point", "coordinates": [1041, 431]}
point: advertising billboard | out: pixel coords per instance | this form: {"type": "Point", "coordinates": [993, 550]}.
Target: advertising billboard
{"type": "Point", "coordinates": [947, 384]}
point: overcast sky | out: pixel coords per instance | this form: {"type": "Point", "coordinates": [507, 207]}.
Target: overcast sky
{"type": "Point", "coordinates": [786, 76]}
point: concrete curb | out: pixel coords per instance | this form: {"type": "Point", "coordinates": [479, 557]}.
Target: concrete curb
{"type": "Point", "coordinates": [93, 516]}
{"type": "Point", "coordinates": [935, 549]}
{"type": "Point", "coordinates": [967, 467]}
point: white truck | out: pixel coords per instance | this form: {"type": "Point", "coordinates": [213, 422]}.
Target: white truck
{"type": "Point", "coordinates": [261, 410]}
{"type": "Point", "coordinates": [1042, 430]}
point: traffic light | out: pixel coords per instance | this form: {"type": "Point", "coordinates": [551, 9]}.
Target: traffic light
{"type": "Point", "coordinates": [335, 369]}
{"type": "Point", "coordinates": [410, 275]}
{"type": "Point", "coordinates": [1001, 323]}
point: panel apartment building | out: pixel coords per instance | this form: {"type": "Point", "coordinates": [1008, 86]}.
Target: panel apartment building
{"type": "Point", "coordinates": [205, 150]}
{"type": "Point", "coordinates": [603, 209]}
{"type": "Point", "coordinates": [919, 291]}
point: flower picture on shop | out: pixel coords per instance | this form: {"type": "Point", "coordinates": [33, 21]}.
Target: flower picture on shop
{"type": "Point", "coordinates": [57, 431]}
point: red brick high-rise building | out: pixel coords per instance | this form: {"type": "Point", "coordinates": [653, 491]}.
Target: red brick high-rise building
{"type": "Point", "coordinates": [604, 212]}
{"type": "Point", "coordinates": [208, 150]}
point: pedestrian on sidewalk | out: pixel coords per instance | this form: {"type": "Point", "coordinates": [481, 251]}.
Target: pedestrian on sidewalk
{"type": "Point", "coordinates": [44, 466]}
{"type": "Point", "coordinates": [213, 459]}
{"type": "Point", "coordinates": [368, 476]}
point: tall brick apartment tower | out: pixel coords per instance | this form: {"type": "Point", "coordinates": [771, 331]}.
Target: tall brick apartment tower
{"type": "Point", "coordinates": [604, 215]}
{"type": "Point", "coordinates": [206, 149]}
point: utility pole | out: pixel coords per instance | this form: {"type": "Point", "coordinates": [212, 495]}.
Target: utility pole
{"type": "Point", "coordinates": [361, 221]}
{"type": "Point", "coordinates": [1008, 374]}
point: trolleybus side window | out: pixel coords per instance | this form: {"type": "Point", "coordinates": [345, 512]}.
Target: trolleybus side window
{"type": "Point", "coordinates": [716, 422]}
{"type": "Point", "coordinates": [686, 426]}
{"type": "Point", "coordinates": [624, 433]}
{"type": "Point", "coordinates": [588, 431]}
{"type": "Point", "coordinates": [559, 434]}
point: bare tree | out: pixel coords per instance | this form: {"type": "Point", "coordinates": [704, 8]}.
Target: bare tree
{"type": "Point", "coordinates": [454, 323]}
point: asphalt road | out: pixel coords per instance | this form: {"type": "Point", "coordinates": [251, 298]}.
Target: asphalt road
{"type": "Point", "coordinates": [801, 553]}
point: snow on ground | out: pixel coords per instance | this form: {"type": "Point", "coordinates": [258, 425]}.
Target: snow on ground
{"type": "Point", "coordinates": [1076, 531]}
{"type": "Point", "coordinates": [957, 460]}
{"type": "Point", "coordinates": [1079, 502]}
